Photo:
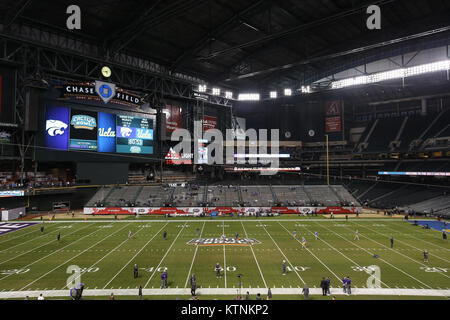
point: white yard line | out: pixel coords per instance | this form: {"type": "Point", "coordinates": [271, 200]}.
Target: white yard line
{"type": "Point", "coordinates": [383, 234]}
{"type": "Point", "coordinates": [321, 262]}
{"type": "Point", "coordinates": [111, 251]}
{"type": "Point", "coordinates": [412, 277]}
{"type": "Point", "coordinates": [33, 248]}
{"type": "Point", "coordinates": [225, 291]}
{"type": "Point", "coordinates": [134, 256]}
{"type": "Point", "coordinates": [193, 259]}
{"type": "Point", "coordinates": [349, 259]}
{"type": "Point", "coordinates": [410, 233]}
{"type": "Point", "coordinates": [398, 252]}
{"type": "Point", "coordinates": [68, 260]}
{"type": "Point", "coordinates": [167, 252]}
{"type": "Point", "coordinates": [56, 250]}
{"type": "Point", "coordinates": [292, 266]}
{"type": "Point", "coordinates": [19, 236]}
{"type": "Point", "coordinates": [224, 256]}
{"type": "Point", "coordinates": [254, 256]}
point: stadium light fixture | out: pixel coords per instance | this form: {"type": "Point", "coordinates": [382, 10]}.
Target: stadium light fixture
{"type": "Point", "coordinates": [228, 94]}
{"type": "Point", "coordinates": [287, 92]}
{"type": "Point", "coordinates": [215, 91]}
{"type": "Point", "coordinates": [202, 88]}
{"type": "Point", "coordinates": [248, 97]}
{"type": "Point", "coordinates": [392, 74]}
{"type": "Point", "coordinates": [273, 94]}
{"type": "Point", "coordinates": [305, 89]}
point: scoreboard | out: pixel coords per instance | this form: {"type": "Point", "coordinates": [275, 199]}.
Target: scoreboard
{"type": "Point", "coordinates": [70, 129]}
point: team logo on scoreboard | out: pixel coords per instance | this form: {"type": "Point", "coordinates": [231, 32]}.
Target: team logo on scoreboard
{"type": "Point", "coordinates": [224, 241]}
{"type": "Point", "coordinates": [83, 122]}
{"type": "Point", "coordinates": [125, 132]}
{"type": "Point", "coordinates": [55, 127]}
{"type": "Point", "coordinates": [106, 91]}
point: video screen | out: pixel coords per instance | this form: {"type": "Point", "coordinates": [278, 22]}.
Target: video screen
{"type": "Point", "coordinates": [83, 130]}
{"type": "Point", "coordinates": [106, 132]}
{"type": "Point", "coordinates": [134, 135]}
{"type": "Point", "coordinates": [57, 127]}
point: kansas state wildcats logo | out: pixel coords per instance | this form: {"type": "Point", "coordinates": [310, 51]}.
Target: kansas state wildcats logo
{"type": "Point", "coordinates": [224, 241]}
{"type": "Point", "coordinates": [55, 127]}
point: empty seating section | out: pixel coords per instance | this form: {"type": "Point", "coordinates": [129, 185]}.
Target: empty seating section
{"type": "Point", "coordinates": [438, 205]}
{"type": "Point", "coordinates": [153, 196]}
{"type": "Point", "coordinates": [222, 196]}
{"type": "Point", "coordinates": [188, 197]}
{"type": "Point", "coordinates": [323, 195]}
{"type": "Point", "coordinates": [385, 132]}
{"type": "Point", "coordinates": [291, 195]}
{"type": "Point", "coordinates": [344, 195]}
{"type": "Point", "coordinates": [99, 196]}
{"type": "Point", "coordinates": [414, 127]}
{"type": "Point", "coordinates": [257, 196]}
{"type": "Point", "coordinates": [439, 125]}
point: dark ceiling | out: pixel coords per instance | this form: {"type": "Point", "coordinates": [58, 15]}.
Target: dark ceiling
{"type": "Point", "coordinates": [245, 44]}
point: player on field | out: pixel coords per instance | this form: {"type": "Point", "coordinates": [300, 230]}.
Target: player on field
{"type": "Point", "coordinates": [316, 235]}
{"type": "Point", "coordinates": [425, 255]}
{"type": "Point", "coordinates": [165, 277]}
{"type": "Point", "coordinates": [284, 267]}
{"type": "Point", "coordinates": [444, 235]}
{"type": "Point", "coordinates": [295, 234]}
{"type": "Point", "coordinates": [236, 236]}
{"type": "Point", "coordinates": [356, 235]}
{"type": "Point", "coordinates": [162, 280]}
{"type": "Point", "coordinates": [197, 231]}
{"type": "Point", "coordinates": [58, 237]}
{"type": "Point", "coordinates": [130, 234]}
{"type": "Point", "coordinates": [193, 284]}
{"type": "Point", "coordinates": [218, 270]}
{"type": "Point", "coordinates": [303, 242]}
{"type": "Point", "coordinates": [392, 242]}
{"type": "Point", "coordinates": [135, 271]}
{"type": "Point", "coordinates": [349, 285]}
{"type": "Point", "coordinates": [42, 228]}
{"type": "Point", "coordinates": [165, 235]}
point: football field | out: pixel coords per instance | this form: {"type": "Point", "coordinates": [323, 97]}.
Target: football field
{"type": "Point", "coordinates": [32, 262]}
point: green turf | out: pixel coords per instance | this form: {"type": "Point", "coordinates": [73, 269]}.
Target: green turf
{"type": "Point", "coordinates": [42, 261]}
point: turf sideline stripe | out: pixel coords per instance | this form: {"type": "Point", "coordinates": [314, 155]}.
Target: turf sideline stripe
{"type": "Point", "coordinates": [226, 291]}
{"type": "Point", "coordinates": [135, 255]}
{"type": "Point", "coordinates": [193, 259]}
{"type": "Point", "coordinates": [334, 274]}
{"type": "Point", "coordinates": [95, 244]}
{"type": "Point", "coordinates": [381, 259]}
{"type": "Point", "coordinates": [398, 252]}
{"type": "Point", "coordinates": [284, 255]}
{"type": "Point", "coordinates": [167, 252]}
{"type": "Point", "coordinates": [254, 256]}
{"type": "Point", "coordinates": [56, 250]}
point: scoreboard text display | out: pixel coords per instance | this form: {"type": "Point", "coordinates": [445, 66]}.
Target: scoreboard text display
{"type": "Point", "coordinates": [72, 129]}
{"type": "Point", "coordinates": [134, 135]}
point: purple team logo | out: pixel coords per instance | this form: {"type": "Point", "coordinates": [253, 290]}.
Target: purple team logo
{"type": "Point", "coordinates": [9, 227]}
{"type": "Point", "coordinates": [57, 128]}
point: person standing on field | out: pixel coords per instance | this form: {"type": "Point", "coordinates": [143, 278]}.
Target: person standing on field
{"type": "Point", "coordinates": [284, 267]}
{"type": "Point", "coordinates": [140, 293]}
{"type": "Point", "coordinates": [305, 291]}
{"type": "Point", "coordinates": [356, 235]}
{"type": "Point", "coordinates": [392, 242]}
{"type": "Point", "coordinates": [425, 255]}
{"type": "Point", "coordinates": [165, 235]}
{"type": "Point", "coordinates": [193, 284]}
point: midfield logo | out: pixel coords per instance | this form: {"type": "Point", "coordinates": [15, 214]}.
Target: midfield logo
{"type": "Point", "coordinates": [224, 241]}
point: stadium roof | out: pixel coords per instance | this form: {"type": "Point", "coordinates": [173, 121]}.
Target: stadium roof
{"type": "Point", "coordinates": [246, 44]}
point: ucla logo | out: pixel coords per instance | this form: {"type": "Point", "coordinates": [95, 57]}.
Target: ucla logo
{"type": "Point", "coordinates": [83, 122]}
{"type": "Point", "coordinates": [106, 91]}
{"type": "Point", "coordinates": [106, 133]}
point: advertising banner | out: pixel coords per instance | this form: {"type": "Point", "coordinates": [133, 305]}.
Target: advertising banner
{"type": "Point", "coordinates": [333, 124]}
{"type": "Point", "coordinates": [173, 118]}
{"type": "Point", "coordinates": [209, 122]}
{"type": "Point", "coordinates": [57, 128]}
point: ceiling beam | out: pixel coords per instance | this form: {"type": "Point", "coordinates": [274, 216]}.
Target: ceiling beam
{"type": "Point", "coordinates": [218, 31]}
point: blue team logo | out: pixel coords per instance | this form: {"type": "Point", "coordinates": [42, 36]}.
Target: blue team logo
{"type": "Point", "coordinates": [106, 91]}
{"type": "Point", "coordinates": [55, 127]}
{"type": "Point", "coordinates": [83, 122]}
